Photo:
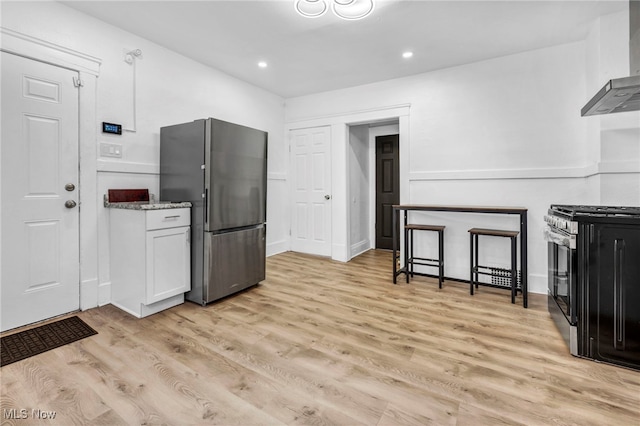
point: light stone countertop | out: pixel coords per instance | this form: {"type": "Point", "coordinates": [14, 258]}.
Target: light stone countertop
{"type": "Point", "coordinates": [143, 205]}
{"type": "Point", "coordinates": [152, 204]}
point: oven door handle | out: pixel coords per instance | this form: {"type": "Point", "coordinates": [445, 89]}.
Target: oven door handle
{"type": "Point", "coordinates": [566, 240]}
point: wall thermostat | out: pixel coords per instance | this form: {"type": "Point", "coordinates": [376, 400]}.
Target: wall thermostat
{"type": "Point", "coordinates": [115, 129]}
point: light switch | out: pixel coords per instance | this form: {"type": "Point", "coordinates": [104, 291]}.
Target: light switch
{"type": "Point", "coordinates": [110, 150]}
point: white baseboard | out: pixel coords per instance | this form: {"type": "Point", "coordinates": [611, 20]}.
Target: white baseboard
{"type": "Point", "coordinates": [88, 294]}
{"type": "Point", "coordinates": [104, 293]}
{"type": "Point", "coordinates": [359, 248]}
{"type": "Point", "coordinates": [339, 252]}
{"type": "Point", "coordinates": [538, 284]}
{"type": "Point", "coordinates": [277, 247]}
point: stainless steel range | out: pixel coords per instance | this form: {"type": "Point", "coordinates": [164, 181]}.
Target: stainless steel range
{"type": "Point", "coordinates": [594, 280]}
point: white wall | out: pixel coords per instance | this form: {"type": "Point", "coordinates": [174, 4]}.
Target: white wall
{"type": "Point", "coordinates": [170, 89]}
{"type": "Point", "coordinates": [616, 136]}
{"type": "Point", "coordinates": [359, 194]}
{"type": "Point", "coordinates": [505, 131]}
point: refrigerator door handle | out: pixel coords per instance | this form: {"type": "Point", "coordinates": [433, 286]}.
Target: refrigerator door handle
{"type": "Point", "coordinates": [206, 206]}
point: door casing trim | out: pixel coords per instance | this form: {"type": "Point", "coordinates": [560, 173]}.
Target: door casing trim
{"type": "Point", "coordinates": [88, 68]}
{"type": "Point", "coordinates": [340, 122]}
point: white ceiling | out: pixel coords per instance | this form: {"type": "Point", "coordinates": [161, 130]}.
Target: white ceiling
{"type": "Point", "coordinates": [313, 55]}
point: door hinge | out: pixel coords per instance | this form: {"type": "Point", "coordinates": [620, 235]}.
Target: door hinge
{"type": "Point", "coordinates": [77, 82]}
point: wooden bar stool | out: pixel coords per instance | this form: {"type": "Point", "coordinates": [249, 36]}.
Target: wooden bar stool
{"type": "Point", "coordinates": [410, 260]}
{"type": "Point", "coordinates": [477, 270]}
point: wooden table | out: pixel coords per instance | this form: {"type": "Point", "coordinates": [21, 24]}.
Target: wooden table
{"type": "Point", "coordinates": [521, 211]}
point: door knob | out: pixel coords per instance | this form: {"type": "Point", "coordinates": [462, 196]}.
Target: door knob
{"type": "Point", "coordinates": [327, 197]}
{"type": "Point", "coordinates": [70, 204]}
{"type": "Point", "coordinates": [69, 187]}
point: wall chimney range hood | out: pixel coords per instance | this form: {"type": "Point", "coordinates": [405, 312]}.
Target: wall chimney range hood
{"type": "Point", "coordinates": [621, 94]}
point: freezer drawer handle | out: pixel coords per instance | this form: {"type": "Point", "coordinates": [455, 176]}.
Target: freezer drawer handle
{"type": "Point", "coordinates": [172, 217]}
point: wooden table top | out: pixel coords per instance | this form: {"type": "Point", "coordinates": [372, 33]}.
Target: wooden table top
{"type": "Point", "coordinates": [470, 209]}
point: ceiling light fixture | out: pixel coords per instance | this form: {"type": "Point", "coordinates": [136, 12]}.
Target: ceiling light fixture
{"type": "Point", "coordinates": [346, 9]}
{"type": "Point", "coordinates": [407, 55]}
{"type": "Point", "coordinates": [262, 64]}
{"type": "Point", "coordinates": [310, 8]}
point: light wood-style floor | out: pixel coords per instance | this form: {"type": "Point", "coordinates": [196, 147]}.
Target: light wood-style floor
{"type": "Point", "coordinates": [324, 342]}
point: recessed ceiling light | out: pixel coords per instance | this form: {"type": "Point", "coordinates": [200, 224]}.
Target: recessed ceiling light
{"type": "Point", "coordinates": [262, 64]}
{"type": "Point", "coordinates": [407, 55]}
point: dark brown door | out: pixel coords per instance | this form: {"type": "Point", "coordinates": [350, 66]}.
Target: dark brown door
{"type": "Point", "coordinates": [387, 189]}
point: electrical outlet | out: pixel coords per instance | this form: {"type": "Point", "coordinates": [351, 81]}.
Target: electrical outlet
{"type": "Point", "coordinates": [110, 150]}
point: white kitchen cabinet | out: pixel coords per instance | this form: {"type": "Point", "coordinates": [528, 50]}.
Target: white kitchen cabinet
{"type": "Point", "coordinates": [150, 258]}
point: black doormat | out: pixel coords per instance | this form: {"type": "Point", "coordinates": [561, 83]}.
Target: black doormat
{"type": "Point", "coordinates": [25, 344]}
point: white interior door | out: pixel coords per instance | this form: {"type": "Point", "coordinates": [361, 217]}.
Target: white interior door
{"type": "Point", "coordinates": [39, 157]}
{"type": "Point", "coordinates": [311, 188]}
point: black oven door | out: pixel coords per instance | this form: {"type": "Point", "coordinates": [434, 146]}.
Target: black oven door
{"type": "Point", "coordinates": [563, 272]}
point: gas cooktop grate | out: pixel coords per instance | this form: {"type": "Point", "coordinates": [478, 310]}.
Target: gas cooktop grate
{"type": "Point", "coordinates": [580, 210]}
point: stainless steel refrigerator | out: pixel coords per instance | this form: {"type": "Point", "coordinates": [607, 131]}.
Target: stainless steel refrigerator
{"type": "Point", "coordinates": [221, 168]}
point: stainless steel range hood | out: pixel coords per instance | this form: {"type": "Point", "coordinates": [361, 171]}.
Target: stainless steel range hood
{"type": "Point", "coordinates": [622, 94]}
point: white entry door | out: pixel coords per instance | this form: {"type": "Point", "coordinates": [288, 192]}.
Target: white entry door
{"type": "Point", "coordinates": [39, 192]}
{"type": "Point", "coordinates": [311, 187]}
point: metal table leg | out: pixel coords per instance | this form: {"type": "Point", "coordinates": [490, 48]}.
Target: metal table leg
{"type": "Point", "coordinates": [394, 223]}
